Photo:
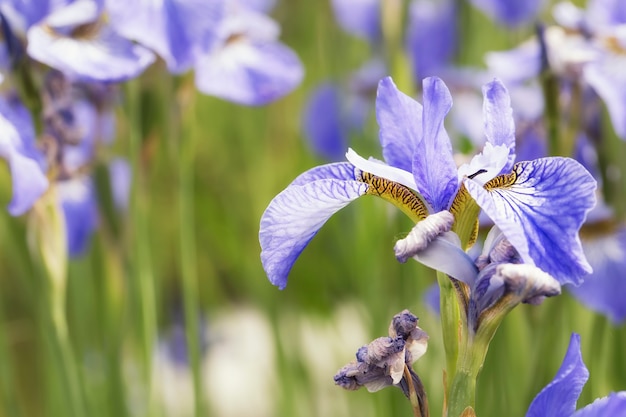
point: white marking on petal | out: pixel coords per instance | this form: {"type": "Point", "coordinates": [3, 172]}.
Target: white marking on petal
{"type": "Point", "coordinates": [382, 170]}
{"type": "Point", "coordinates": [491, 161]}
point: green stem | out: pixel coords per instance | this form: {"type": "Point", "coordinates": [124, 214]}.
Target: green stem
{"type": "Point", "coordinates": [450, 319]}
{"type": "Point", "coordinates": [142, 269]}
{"type": "Point", "coordinates": [188, 263]}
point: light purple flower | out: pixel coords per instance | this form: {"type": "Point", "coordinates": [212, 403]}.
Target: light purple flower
{"type": "Point", "coordinates": [246, 63]}
{"type": "Point", "coordinates": [524, 200]}
{"type": "Point", "coordinates": [177, 30]}
{"type": "Point", "coordinates": [559, 397]}
{"type": "Point", "coordinates": [361, 18]}
{"type": "Point", "coordinates": [80, 208]}
{"type": "Point", "coordinates": [75, 39]}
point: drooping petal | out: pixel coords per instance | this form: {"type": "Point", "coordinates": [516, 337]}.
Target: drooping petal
{"type": "Point", "coordinates": [400, 120]}
{"type": "Point", "coordinates": [558, 398]}
{"type": "Point", "coordinates": [295, 215]}
{"type": "Point", "coordinates": [433, 164]}
{"type": "Point", "coordinates": [381, 169]}
{"type": "Point", "coordinates": [612, 405]}
{"type": "Point", "coordinates": [323, 125]}
{"type": "Point", "coordinates": [103, 57]}
{"type": "Point", "coordinates": [605, 289]}
{"type": "Point", "coordinates": [337, 170]}
{"type": "Point", "coordinates": [359, 17]}
{"type": "Point", "coordinates": [16, 147]}
{"type": "Point", "coordinates": [517, 65]}
{"type": "Point", "coordinates": [540, 208]}
{"type": "Point", "coordinates": [449, 258]}
{"type": "Point", "coordinates": [510, 12]}
{"type": "Point", "coordinates": [249, 72]}
{"type": "Point", "coordinates": [498, 119]}
{"type": "Point", "coordinates": [608, 79]}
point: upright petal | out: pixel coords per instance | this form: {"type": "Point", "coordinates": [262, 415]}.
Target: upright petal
{"type": "Point", "coordinates": [433, 164]}
{"type": "Point", "coordinates": [400, 120]}
{"type": "Point", "coordinates": [498, 119]}
{"type": "Point", "coordinates": [558, 398]}
{"type": "Point", "coordinates": [613, 405]}
{"type": "Point", "coordinates": [540, 207]}
{"type": "Point", "coordinates": [295, 215]}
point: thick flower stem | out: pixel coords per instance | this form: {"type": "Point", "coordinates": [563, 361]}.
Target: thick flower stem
{"type": "Point", "coordinates": [450, 321]}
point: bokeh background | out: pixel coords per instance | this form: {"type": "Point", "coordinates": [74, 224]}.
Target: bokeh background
{"type": "Point", "coordinates": [205, 170]}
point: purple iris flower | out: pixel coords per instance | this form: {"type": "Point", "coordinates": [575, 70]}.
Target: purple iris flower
{"type": "Point", "coordinates": [80, 208]}
{"type": "Point", "coordinates": [559, 397]}
{"type": "Point", "coordinates": [525, 200]}
{"type": "Point", "coordinates": [246, 63]}
{"type": "Point", "coordinates": [510, 12]}
{"type": "Point", "coordinates": [177, 30]}
{"type": "Point", "coordinates": [587, 47]}
{"type": "Point", "coordinates": [17, 147]}
{"type": "Point", "coordinates": [75, 39]}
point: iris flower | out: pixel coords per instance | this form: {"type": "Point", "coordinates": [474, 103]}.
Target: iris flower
{"type": "Point", "coordinates": [76, 39]}
{"type": "Point", "coordinates": [558, 398]}
{"type": "Point", "coordinates": [538, 205]}
{"type": "Point", "coordinates": [510, 12]}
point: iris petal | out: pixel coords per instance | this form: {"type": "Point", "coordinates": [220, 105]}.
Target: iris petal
{"type": "Point", "coordinates": [558, 398]}
{"type": "Point", "coordinates": [607, 78]}
{"type": "Point", "coordinates": [498, 119]}
{"type": "Point", "coordinates": [323, 125]}
{"type": "Point", "coordinates": [294, 216]}
{"type": "Point", "coordinates": [249, 73]}
{"type": "Point", "coordinates": [612, 405]}
{"type": "Point", "coordinates": [337, 170]}
{"type": "Point", "coordinates": [433, 164]}
{"type": "Point", "coordinates": [541, 213]}
{"type": "Point", "coordinates": [360, 18]}
{"type": "Point", "coordinates": [105, 57]}
{"type": "Point", "coordinates": [400, 121]}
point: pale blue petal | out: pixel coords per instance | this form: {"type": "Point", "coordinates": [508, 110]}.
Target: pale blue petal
{"type": "Point", "coordinates": [337, 170]}
{"type": "Point", "coordinates": [608, 79]}
{"type": "Point", "coordinates": [448, 258]}
{"type": "Point", "coordinates": [510, 12]}
{"type": "Point", "coordinates": [16, 146]}
{"type": "Point", "coordinates": [323, 125]}
{"type": "Point", "coordinates": [541, 214]}
{"type": "Point", "coordinates": [105, 57]}
{"type": "Point", "coordinates": [400, 120]}
{"type": "Point", "coordinates": [249, 73]}
{"type": "Point", "coordinates": [604, 290]}
{"type": "Point", "coordinates": [293, 218]}
{"type": "Point", "coordinates": [498, 119]}
{"type": "Point", "coordinates": [433, 164]}
{"type": "Point", "coordinates": [614, 406]}
{"type": "Point", "coordinates": [517, 65]}
{"type": "Point", "coordinates": [558, 398]}
{"type": "Point", "coordinates": [603, 13]}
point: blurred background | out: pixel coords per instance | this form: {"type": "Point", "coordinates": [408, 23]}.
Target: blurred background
{"type": "Point", "coordinates": [204, 171]}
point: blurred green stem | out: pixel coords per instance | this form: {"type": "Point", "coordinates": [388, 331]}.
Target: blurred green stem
{"type": "Point", "coordinates": [188, 271]}
{"type": "Point", "coordinates": [141, 266]}
{"type": "Point", "coordinates": [450, 321]}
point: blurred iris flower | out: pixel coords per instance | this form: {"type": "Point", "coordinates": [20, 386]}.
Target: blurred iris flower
{"type": "Point", "coordinates": [77, 39]}
{"type": "Point", "coordinates": [586, 48]}
{"type": "Point", "coordinates": [524, 200]}
{"type": "Point", "coordinates": [559, 397]}
{"type": "Point", "coordinates": [245, 63]}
